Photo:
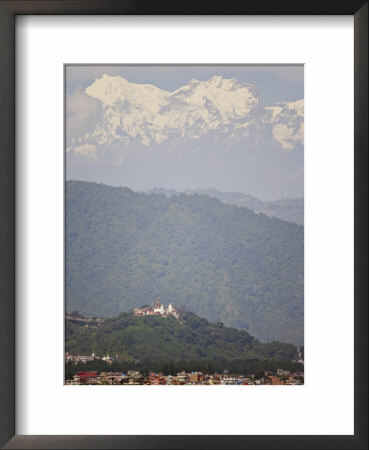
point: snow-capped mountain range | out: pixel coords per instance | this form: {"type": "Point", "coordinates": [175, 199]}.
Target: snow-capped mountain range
{"type": "Point", "coordinates": [220, 119]}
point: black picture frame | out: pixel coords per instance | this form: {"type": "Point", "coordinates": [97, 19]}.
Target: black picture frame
{"type": "Point", "coordinates": [8, 11]}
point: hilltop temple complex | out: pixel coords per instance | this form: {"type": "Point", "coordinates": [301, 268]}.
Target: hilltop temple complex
{"type": "Point", "coordinates": [158, 310]}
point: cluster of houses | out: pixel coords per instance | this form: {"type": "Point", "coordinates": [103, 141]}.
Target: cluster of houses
{"type": "Point", "coordinates": [183, 378]}
{"type": "Point", "coordinates": [158, 310]}
{"type": "Point", "coordinates": [83, 358]}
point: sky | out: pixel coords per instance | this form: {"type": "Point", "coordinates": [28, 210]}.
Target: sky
{"type": "Point", "coordinates": [275, 83]}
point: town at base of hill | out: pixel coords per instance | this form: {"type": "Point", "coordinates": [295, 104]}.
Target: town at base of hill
{"type": "Point", "coordinates": [132, 377]}
{"type": "Point", "coordinates": [170, 345]}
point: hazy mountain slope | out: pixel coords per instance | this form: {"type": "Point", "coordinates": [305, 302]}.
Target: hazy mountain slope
{"type": "Point", "coordinates": [159, 338]}
{"type": "Point", "coordinates": [291, 209]}
{"type": "Point", "coordinates": [223, 262]}
{"type": "Point", "coordinates": [286, 209]}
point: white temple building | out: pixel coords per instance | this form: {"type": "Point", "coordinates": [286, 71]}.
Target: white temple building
{"type": "Point", "coordinates": [159, 309]}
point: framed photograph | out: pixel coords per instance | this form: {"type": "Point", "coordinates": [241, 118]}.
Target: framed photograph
{"type": "Point", "coordinates": [184, 225]}
{"type": "Point", "coordinates": [167, 159]}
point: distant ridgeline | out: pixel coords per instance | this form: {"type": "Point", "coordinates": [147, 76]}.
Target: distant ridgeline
{"type": "Point", "coordinates": [291, 209]}
{"type": "Point", "coordinates": [166, 337]}
{"type": "Point", "coordinates": [223, 262]}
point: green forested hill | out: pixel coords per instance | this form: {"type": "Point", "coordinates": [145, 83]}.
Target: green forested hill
{"type": "Point", "coordinates": [223, 262]}
{"type": "Point", "coordinates": [158, 338]}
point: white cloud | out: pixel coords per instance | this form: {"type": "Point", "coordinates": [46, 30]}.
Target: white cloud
{"type": "Point", "coordinates": [82, 114]}
{"type": "Point", "coordinates": [87, 150]}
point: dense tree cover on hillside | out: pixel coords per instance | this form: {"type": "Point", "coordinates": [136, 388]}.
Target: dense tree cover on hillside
{"type": "Point", "coordinates": [223, 262]}
{"type": "Point", "coordinates": [157, 338]}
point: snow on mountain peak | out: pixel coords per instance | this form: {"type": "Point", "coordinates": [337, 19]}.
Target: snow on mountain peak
{"type": "Point", "coordinates": [230, 98]}
{"type": "Point", "coordinates": [145, 114]}
{"type": "Point", "coordinates": [113, 89]}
